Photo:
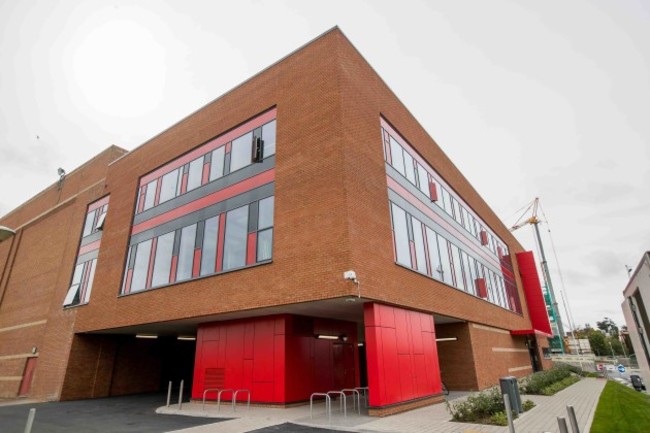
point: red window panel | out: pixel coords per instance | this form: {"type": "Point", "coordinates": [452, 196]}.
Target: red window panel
{"type": "Point", "coordinates": [222, 233]}
{"type": "Point", "coordinates": [414, 259]}
{"type": "Point", "coordinates": [228, 146]}
{"type": "Point", "coordinates": [433, 191]}
{"type": "Point", "coordinates": [251, 249]}
{"type": "Point", "coordinates": [173, 269]}
{"type": "Point", "coordinates": [205, 176]}
{"type": "Point", "coordinates": [152, 259]}
{"type": "Point", "coordinates": [158, 188]}
{"type": "Point", "coordinates": [196, 268]}
{"type": "Point", "coordinates": [127, 284]}
{"type": "Point", "coordinates": [184, 183]}
{"type": "Point", "coordinates": [481, 288]}
{"type": "Point", "coordinates": [143, 191]}
{"type": "Point", "coordinates": [484, 237]}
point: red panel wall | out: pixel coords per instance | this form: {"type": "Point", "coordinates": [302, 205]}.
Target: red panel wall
{"type": "Point", "coordinates": [533, 292]}
{"type": "Point", "coordinates": [402, 355]}
{"type": "Point", "coordinates": [277, 357]}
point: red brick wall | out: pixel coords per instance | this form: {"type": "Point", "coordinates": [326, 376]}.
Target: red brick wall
{"type": "Point", "coordinates": [32, 290]}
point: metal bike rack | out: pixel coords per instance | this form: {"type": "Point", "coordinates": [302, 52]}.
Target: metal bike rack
{"type": "Point", "coordinates": [363, 390]}
{"type": "Point", "coordinates": [328, 404]}
{"type": "Point", "coordinates": [342, 402]}
{"type": "Point", "coordinates": [356, 395]}
{"type": "Point", "coordinates": [219, 397]}
{"type": "Point", "coordinates": [234, 399]}
{"type": "Point", "coordinates": [205, 392]}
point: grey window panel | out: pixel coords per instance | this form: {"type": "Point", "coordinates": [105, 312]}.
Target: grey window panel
{"type": "Point", "coordinates": [217, 165]}
{"type": "Point", "coordinates": [418, 240]}
{"type": "Point", "coordinates": [265, 245]}
{"type": "Point", "coordinates": [266, 209]}
{"type": "Point", "coordinates": [205, 190]}
{"type": "Point", "coordinates": [163, 260]}
{"type": "Point", "coordinates": [236, 236]}
{"type": "Point", "coordinates": [89, 222]}
{"type": "Point", "coordinates": [241, 152]}
{"type": "Point", "coordinates": [186, 253]}
{"type": "Point", "coordinates": [150, 195]}
{"type": "Point", "coordinates": [141, 266]}
{"type": "Point", "coordinates": [205, 213]}
{"type": "Point", "coordinates": [397, 156]}
{"type": "Point", "coordinates": [253, 210]}
{"type": "Point", "coordinates": [169, 188]}
{"type": "Point", "coordinates": [90, 238]}
{"type": "Point", "coordinates": [195, 175]}
{"type": "Point", "coordinates": [88, 256]}
{"type": "Point", "coordinates": [400, 230]}
{"type": "Point", "coordinates": [268, 135]}
{"type": "Point", "coordinates": [210, 241]}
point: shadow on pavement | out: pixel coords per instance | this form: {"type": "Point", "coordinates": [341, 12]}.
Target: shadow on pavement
{"type": "Point", "coordinates": [126, 414]}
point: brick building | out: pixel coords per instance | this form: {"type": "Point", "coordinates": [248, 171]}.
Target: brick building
{"type": "Point", "coordinates": [219, 252]}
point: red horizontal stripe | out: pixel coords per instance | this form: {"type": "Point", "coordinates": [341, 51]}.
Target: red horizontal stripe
{"type": "Point", "coordinates": [216, 197]}
{"type": "Point", "coordinates": [99, 203]}
{"type": "Point", "coordinates": [210, 146]}
{"type": "Point", "coordinates": [90, 247]}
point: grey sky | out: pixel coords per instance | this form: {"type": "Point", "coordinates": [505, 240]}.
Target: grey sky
{"type": "Point", "coordinates": [548, 99]}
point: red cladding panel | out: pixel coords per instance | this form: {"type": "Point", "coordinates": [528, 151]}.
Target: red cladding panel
{"type": "Point", "coordinates": [533, 292]}
{"type": "Point", "coordinates": [196, 268]}
{"type": "Point", "coordinates": [481, 288]}
{"type": "Point", "coordinates": [401, 355]}
{"type": "Point", "coordinates": [251, 249]}
{"type": "Point", "coordinates": [433, 191]}
{"type": "Point", "coordinates": [484, 237]}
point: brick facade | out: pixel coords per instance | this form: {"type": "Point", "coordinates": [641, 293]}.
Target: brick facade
{"type": "Point", "coordinates": [331, 215]}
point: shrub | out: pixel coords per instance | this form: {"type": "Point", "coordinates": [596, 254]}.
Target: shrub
{"type": "Point", "coordinates": [499, 418]}
{"type": "Point", "coordinates": [559, 386]}
{"type": "Point", "coordinates": [538, 382]}
{"type": "Point", "coordinates": [479, 407]}
{"type": "Point", "coordinates": [527, 405]}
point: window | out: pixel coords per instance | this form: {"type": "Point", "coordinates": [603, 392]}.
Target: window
{"type": "Point", "coordinates": [434, 255]}
{"type": "Point", "coordinates": [446, 197]}
{"type": "Point", "coordinates": [72, 297]}
{"type": "Point", "coordinates": [423, 180]}
{"type": "Point", "coordinates": [170, 186]}
{"type": "Point", "coordinates": [409, 167]}
{"type": "Point", "coordinates": [141, 266]}
{"type": "Point", "coordinates": [445, 262]}
{"type": "Point", "coordinates": [397, 156]}
{"type": "Point", "coordinates": [150, 194]}
{"type": "Point", "coordinates": [234, 252]}
{"type": "Point", "coordinates": [186, 253]}
{"type": "Point", "coordinates": [216, 164]}
{"type": "Point", "coordinates": [241, 152]}
{"type": "Point", "coordinates": [400, 229]}
{"type": "Point", "coordinates": [268, 135]}
{"type": "Point", "coordinates": [418, 240]}
{"type": "Point", "coordinates": [163, 262]}
{"type": "Point", "coordinates": [265, 219]}
{"type": "Point", "coordinates": [195, 175]}
{"type": "Point", "coordinates": [264, 245]}
{"type": "Point", "coordinates": [458, 267]}
{"type": "Point", "coordinates": [210, 239]}
{"type": "Point", "coordinates": [470, 274]}
{"type": "Point", "coordinates": [90, 221]}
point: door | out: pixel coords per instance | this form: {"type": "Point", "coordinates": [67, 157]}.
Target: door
{"type": "Point", "coordinates": [28, 375]}
{"type": "Point", "coordinates": [343, 365]}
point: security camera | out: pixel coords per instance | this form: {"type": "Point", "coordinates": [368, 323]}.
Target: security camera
{"type": "Point", "coordinates": [350, 275]}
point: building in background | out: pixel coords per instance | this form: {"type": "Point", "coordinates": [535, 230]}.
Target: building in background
{"type": "Point", "coordinates": [635, 310]}
{"type": "Point", "coordinates": [301, 233]}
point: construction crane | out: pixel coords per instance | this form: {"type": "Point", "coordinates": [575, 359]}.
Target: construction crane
{"type": "Point", "coordinates": [531, 210]}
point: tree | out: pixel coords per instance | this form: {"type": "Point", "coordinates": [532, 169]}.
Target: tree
{"type": "Point", "coordinates": [608, 326]}
{"type": "Point", "coordinates": [598, 342]}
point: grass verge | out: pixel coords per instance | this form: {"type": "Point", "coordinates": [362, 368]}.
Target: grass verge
{"type": "Point", "coordinates": [621, 409]}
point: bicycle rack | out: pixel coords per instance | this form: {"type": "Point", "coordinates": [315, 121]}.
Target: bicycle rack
{"type": "Point", "coordinates": [363, 390]}
{"type": "Point", "coordinates": [234, 399]}
{"type": "Point", "coordinates": [342, 402]}
{"type": "Point", "coordinates": [356, 398]}
{"type": "Point", "coordinates": [328, 404]}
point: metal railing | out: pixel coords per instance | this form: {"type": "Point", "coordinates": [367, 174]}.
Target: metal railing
{"type": "Point", "coordinates": [328, 404]}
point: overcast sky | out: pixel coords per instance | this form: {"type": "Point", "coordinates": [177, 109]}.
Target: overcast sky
{"type": "Point", "coordinates": [548, 99]}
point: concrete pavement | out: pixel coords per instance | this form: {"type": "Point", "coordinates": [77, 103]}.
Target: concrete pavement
{"type": "Point", "coordinates": [583, 396]}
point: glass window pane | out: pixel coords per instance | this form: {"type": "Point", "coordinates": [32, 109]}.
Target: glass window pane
{"type": "Point", "coordinates": [216, 164]}
{"type": "Point", "coordinates": [418, 240]}
{"type": "Point", "coordinates": [72, 294]}
{"type": "Point", "coordinates": [458, 267]}
{"type": "Point", "coordinates": [88, 225]}
{"type": "Point", "coordinates": [268, 135]}
{"type": "Point", "coordinates": [196, 174]}
{"type": "Point", "coordinates": [469, 275]}
{"type": "Point", "coordinates": [234, 251]}
{"type": "Point", "coordinates": [409, 167]}
{"type": "Point", "coordinates": [445, 263]}
{"type": "Point", "coordinates": [456, 213]}
{"type": "Point", "coordinates": [447, 201]}
{"type": "Point", "coordinates": [397, 156]}
{"type": "Point", "coordinates": [241, 152]}
{"type": "Point", "coordinates": [264, 245]}
{"type": "Point", "coordinates": [186, 253]}
{"type": "Point", "coordinates": [163, 262]}
{"type": "Point", "coordinates": [265, 218]}
{"type": "Point", "coordinates": [150, 195]}
{"type": "Point", "coordinates": [141, 266]}
{"type": "Point", "coordinates": [423, 178]}
{"type": "Point", "coordinates": [434, 255]}
{"type": "Point", "coordinates": [169, 186]}
{"type": "Point", "coordinates": [400, 229]}
{"type": "Point", "coordinates": [91, 278]}
{"type": "Point", "coordinates": [210, 239]}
